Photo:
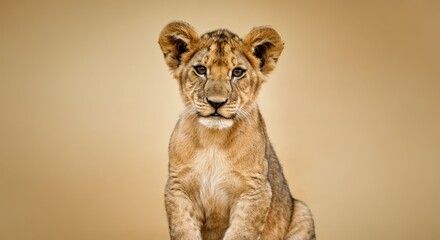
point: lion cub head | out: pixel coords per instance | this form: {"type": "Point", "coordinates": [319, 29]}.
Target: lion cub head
{"type": "Point", "coordinates": [219, 73]}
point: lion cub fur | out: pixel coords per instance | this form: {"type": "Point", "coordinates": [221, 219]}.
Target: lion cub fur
{"type": "Point", "coordinates": [225, 181]}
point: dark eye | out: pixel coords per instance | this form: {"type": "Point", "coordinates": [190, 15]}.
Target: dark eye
{"type": "Point", "coordinates": [238, 72]}
{"type": "Point", "coordinates": [200, 70]}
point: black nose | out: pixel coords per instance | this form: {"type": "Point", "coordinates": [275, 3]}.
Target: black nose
{"type": "Point", "coordinates": [216, 105]}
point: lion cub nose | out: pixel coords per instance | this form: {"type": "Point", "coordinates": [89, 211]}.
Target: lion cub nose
{"type": "Point", "coordinates": [216, 104]}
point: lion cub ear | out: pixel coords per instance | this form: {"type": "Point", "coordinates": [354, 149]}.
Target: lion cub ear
{"type": "Point", "coordinates": [266, 45]}
{"type": "Point", "coordinates": [175, 39]}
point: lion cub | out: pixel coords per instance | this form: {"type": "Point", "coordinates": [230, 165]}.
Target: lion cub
{"type": "Point", "coordinates": [225, 181]}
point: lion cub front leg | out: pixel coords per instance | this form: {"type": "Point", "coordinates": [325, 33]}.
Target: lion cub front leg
{"type": "Point", "coordinates": [181, 215]}
{"type": "Point", "coordinates": [249, 214]}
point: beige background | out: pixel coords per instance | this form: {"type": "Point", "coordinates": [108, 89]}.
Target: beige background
{"type": "Point", "coordinates": [87, 107]}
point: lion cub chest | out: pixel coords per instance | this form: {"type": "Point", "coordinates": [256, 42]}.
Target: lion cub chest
{"type": "Point", "coordinates": [214, 172]}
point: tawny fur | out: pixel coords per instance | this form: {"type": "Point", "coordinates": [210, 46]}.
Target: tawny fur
{"type": "Point", "coordinates": [225, 181]}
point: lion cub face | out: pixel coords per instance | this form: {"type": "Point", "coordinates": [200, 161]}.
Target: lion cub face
{"type": "Point", "coordinates": [219, 73]}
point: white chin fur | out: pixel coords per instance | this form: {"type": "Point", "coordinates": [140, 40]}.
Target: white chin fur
{"type": "Point", "coordinates": [216, 123]}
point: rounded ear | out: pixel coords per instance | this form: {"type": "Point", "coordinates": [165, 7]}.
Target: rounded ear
{"type": "Point", "coordinates": [174, 40]}
{"type": "Point", "coordinates": [266, 45]}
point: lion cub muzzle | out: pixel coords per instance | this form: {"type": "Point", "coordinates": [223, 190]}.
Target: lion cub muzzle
{"type": "Point", "coordinates": [217, 93]}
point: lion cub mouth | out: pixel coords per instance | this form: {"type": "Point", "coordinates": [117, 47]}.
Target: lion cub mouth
{"type": "Point", "coordinates": [216, 121]}
{"type": "Point", "coordinates": [216, 114]}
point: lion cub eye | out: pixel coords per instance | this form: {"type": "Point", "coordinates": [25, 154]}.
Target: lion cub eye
{"type": "Point", "coordinates": [200, 70]}
{"type": "Point", "coordinates": [238, 73]}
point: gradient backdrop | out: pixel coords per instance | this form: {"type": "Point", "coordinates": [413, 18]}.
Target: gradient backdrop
{"type": "Point", "coordinates": [87, 107]}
